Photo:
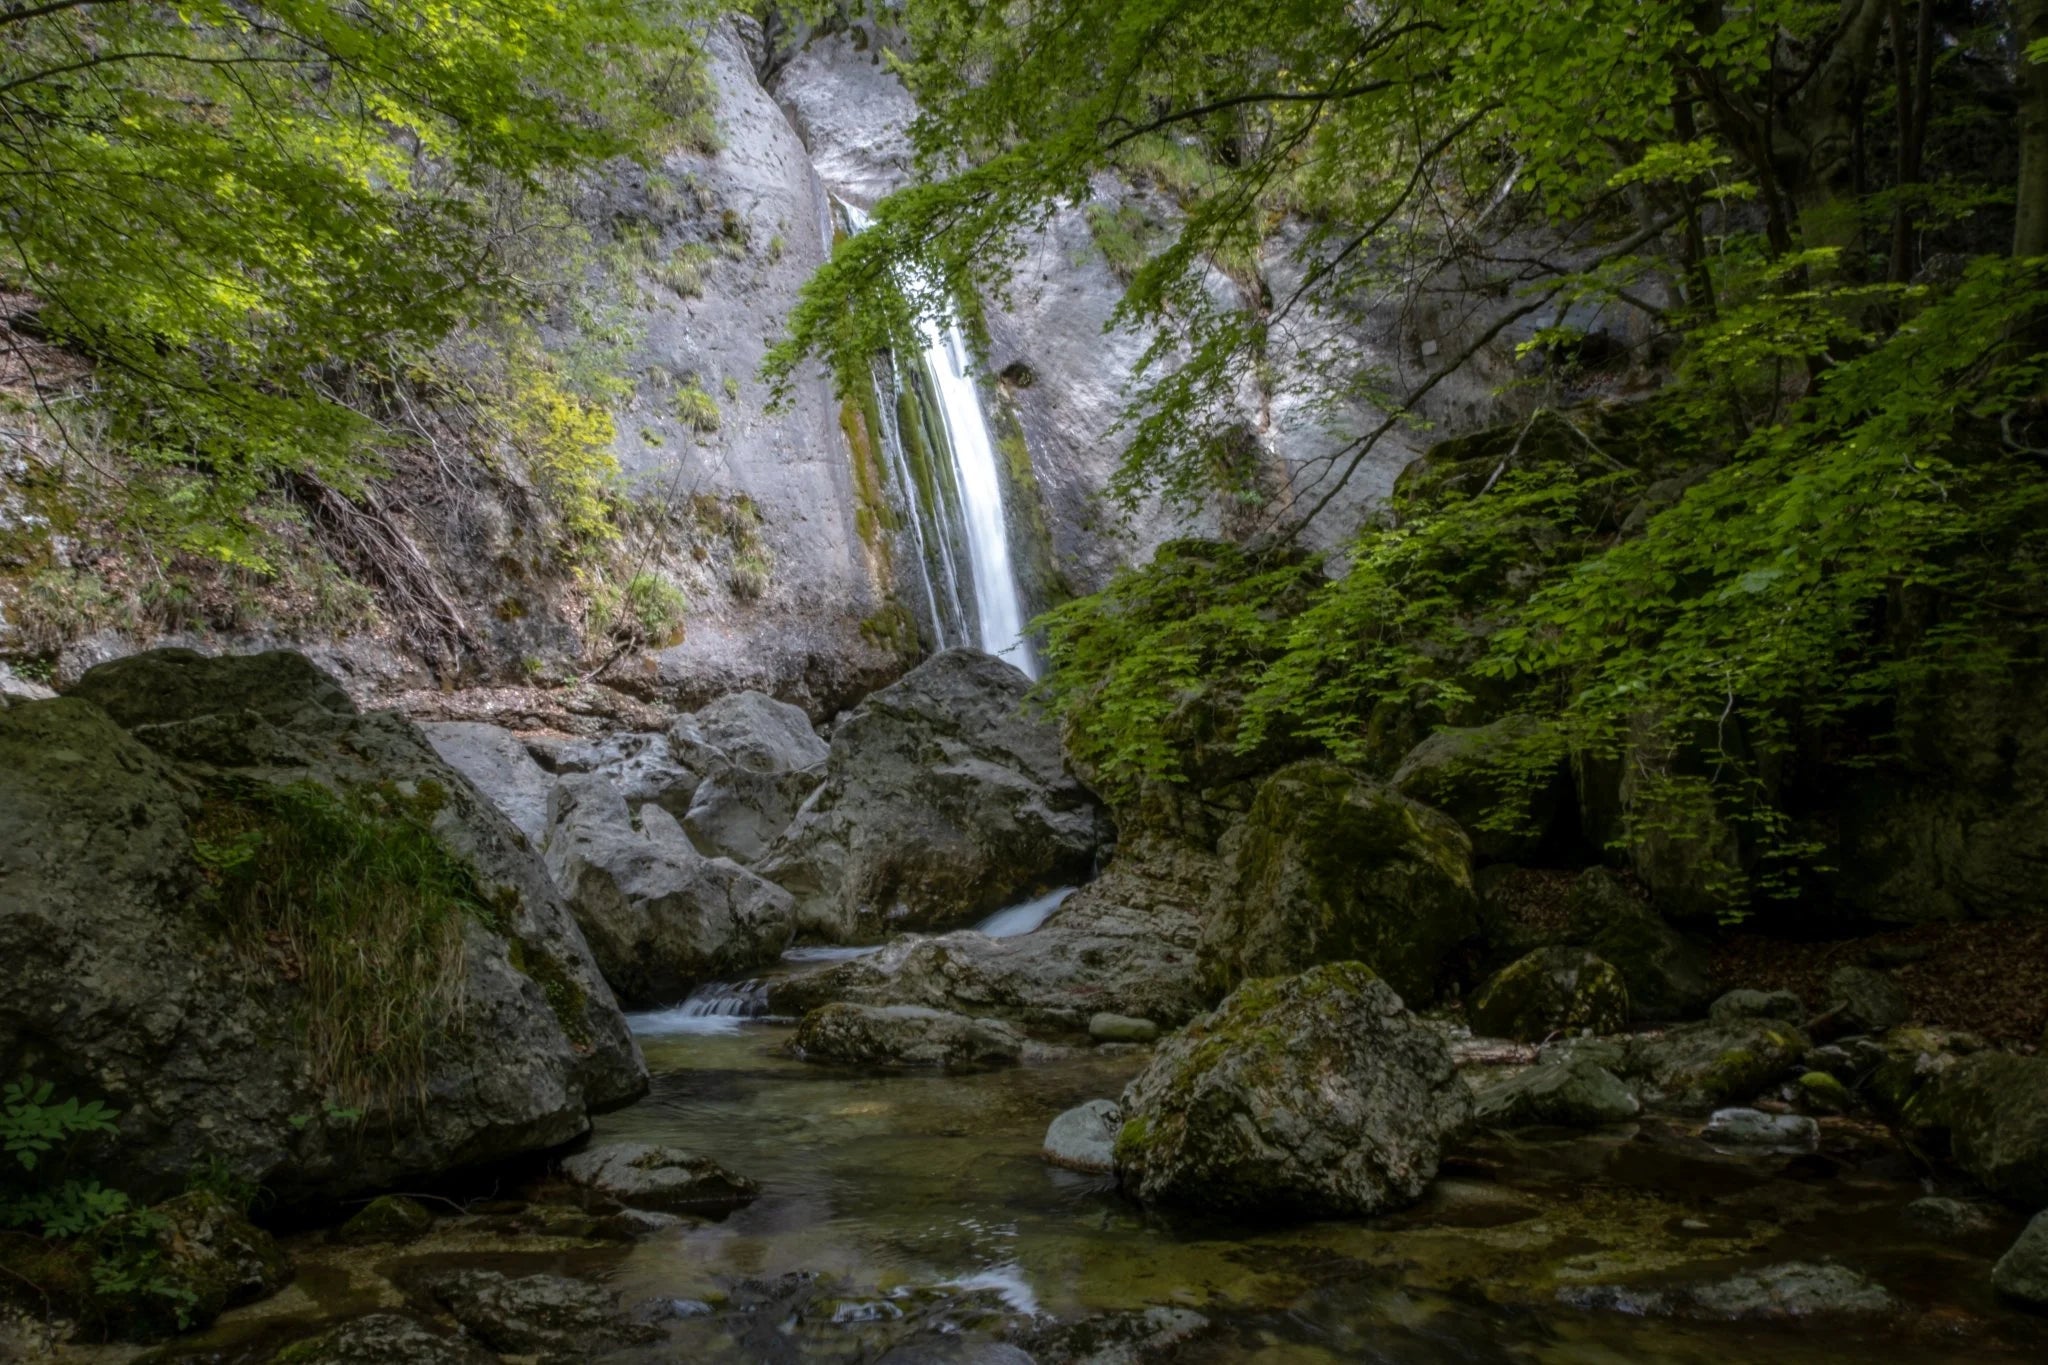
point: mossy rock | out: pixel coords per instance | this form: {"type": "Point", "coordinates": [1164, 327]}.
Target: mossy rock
{"type": "Point", "coordinates": [1552, 990]}
{"type": "Point", "coordinates": [1822, 1093]}
{"type": "Point", "coordinates": [389, 1218]}
{"type": "Point", "coordinates": [1668, 975]}
{"type": "Point", "coordinates": [1995, 1108]}
{"type": "Point", "coordinates": [1464, 771]}
{"type": "Point", "coordinates": [1706, 1066]}
{"type": "Point", "coordinates": [1330, 867]}
{"type": "Point", "coordinates": [1304, 1096]}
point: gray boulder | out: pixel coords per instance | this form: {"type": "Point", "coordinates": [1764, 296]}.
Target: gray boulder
{"type": "Point", "coordinates": [642, 1175]}
{"type": "Point", "coordinates": [1572, 1092]}
{"type": "Point", "coordinates": [1458, 771]}
{"type": "Point", "coordinates": [498, 764]}
{"type": "Point", "coordinates": [1552, 990]}
{"type": "Point", "coordinates": [1948, 1219]}
{"type": "Point", "coordinates": [945, 798]}
{"type": "Point", "coordinates": [1126, 943]}
{"type": "Point", "coordinates": [760, 759]}
{"type": "Point", "coordinates": [739, 812]}
{"type": "Point", "coordinates": [1995, 1108]}
{"type": "Point", "coordinates": [754, 731]}
{"type": "Point", "coordinates": [1305, 1096]}
{"type": "Point", "coordinates": [904, 1035]}
{"type": "Point", "coordinates": [1329, 867]}
{"type": "Point", "coordinates": [1121, 1028]}
{"type": "Point", "coordinates": [1863, 1000]}
{"type": "Point", "coordinates": [1668, 974]}
{"type": "Point", "coordinates": [381, 1339]}
{"type": "Point", "coordinates": [1701, 1067]}
{"type": "Point", "coordinates": [159, 798]}
{"type": "Point", "coordinates": [1084, 1138]}
{"type": "Point", "coordinates": [644, 769]}
{"type": "Point", "coordinates": [660, 916]}
{"type": "Point", "coordinates": [551, 1317]}
{"type": "Point", "coordinates": [2022, 1273]}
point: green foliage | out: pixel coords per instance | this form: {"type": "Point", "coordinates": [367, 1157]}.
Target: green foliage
{"type": "Point", "coordinates": [1124, 234]}
{"type": "Point", "coordinates": [32, 1125]}
{"type": "Point", "coordinates": [646, 609]}
{"type": "Point", "coordinates": [697, 409]}
{"type": "Point", "coordinates": [351, 900]}
{"type": "Point", "coordinates": [684, 271]}
{"type": "Point", "coordinates": [255, 220]}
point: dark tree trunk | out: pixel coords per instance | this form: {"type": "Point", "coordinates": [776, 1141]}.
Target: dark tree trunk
{"type": "Point", "coordinates": [2030, 226]}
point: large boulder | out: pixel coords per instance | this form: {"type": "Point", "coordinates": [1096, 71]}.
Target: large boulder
{"type": "Point", "coordinates": [1125, 944]}
{"type": "Point", "coordinates": [555, 1319]}
{"type": "Point", "coordinates": [1995, 1108]}
{"type": "Point", "coordinates": [283, 938]}
{"type": "Point", "coordinates": [1865, 1000]}
{"type": "Point", "coordinates": [751, 730]}
{"type": "Point", "coordinates": [1707, 1066]}
{"type": "Point", "coordinates": [1668, 974]}
{"type": "Point", "coordinates": [2022, 1273]}
{"type": "Point", "coordinates": [1307, 1096]}
{"type": "Point", "coordinates": [1552, 990]}
{"type": "Point", "coordinates": [660, 916]}
{"type": "Point", "coordinates": [1476, 775]}
{"type": "Point", "coordinates": [1568, 1092]}
{"type": "Point", "coordinates": [904, 1035]}
{"type": "Point", "coordinates": [498, 764]}
{"type": "Point", "coordinates": [1329, 867]}
{"type": "Point", "coordinates": [760, 759]}
{"type": "Point", "coordinates": [945, 798]}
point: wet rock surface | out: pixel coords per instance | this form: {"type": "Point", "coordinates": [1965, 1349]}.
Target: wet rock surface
{"type": "Point", "coordinates": [660, 916]}
{"type": "Point", "coordinates": [1329, 867]}
{"type": "Point", "coordinates": [1699, 1067]}
{"type": "Point", "coordinates": [1084, 1137]}
{"type": "Point", "coordinates": [1782, 1292]}
{"type": "Point", "coordinates": [108, 957]}
{"type": "Point", "coordinates": [945, 797]}
{"type": "Point", "coordinates": [383, 1339]}
{"type": "Point", "coordinates": [553, 1317]}
{"type": "Point", "coordinates": [2022, 1273]}
{"type": "Point", "coordinates": [1312, 1095]}
{"type": "Point", "coordinates": [647, 1176]}
{"type": "Point", "coordinates": [1570, 1092]}
{"type": "Point", "coordinates": [904, 1035]}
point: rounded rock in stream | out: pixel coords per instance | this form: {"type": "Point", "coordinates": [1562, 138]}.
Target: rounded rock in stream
{"type": "Point", "coordinates": [1084, 1138]}
{"type": "Point", "coordinates": [2022, 1273]}
{"type": "Point", "coordinates": [904, 1035]}
{"type": "Point", "coordinates": [1305, 1096]}
{"type": "Point", "coordinates": [643, 1175]}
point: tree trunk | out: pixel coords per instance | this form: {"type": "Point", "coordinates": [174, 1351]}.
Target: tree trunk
{"type": "Point", "coordinates": [2030, 226]}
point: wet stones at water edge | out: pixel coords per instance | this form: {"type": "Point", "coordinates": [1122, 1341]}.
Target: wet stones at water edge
{"type": "Point", "coordinates": [389, 1218]}
{"type": "Point", "coordinates": [1565, 1092]}
{"type": "Point", "coordinates": [1755, 1129]}
{"type": "Point", "coordinates": [1084, 1138]}
{"type": "Point", "coordinates": [558, 1320]}
{"type": "Point", "coordinates": [1309, 1096]}
{"type": "Point", "coordinates": [647, 1176]}
{"type": "Point", "coordinates": [2022, 1273]}
{"type": "Point", "coordinates": [1700, 1067]}
{"type": "Point", "coordinates": [904, 1035]}
{"type": "Point", "coordinates": [1798, 1289]}
{"type": "Point", "coordinates": [384, 1339]}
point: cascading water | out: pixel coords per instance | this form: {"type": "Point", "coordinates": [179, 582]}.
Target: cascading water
{"type": "Point", "coordinates": [957, 510]}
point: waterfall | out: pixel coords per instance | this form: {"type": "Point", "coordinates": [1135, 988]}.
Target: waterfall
{"type": "Point", "coordinates": [957, 512]}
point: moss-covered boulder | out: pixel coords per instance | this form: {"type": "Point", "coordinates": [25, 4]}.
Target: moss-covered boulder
{"type": "Point", "coordinates": [1330, 867]}
{"type": "Point", "coordinates": [1569, 1092]}
{"type": "Point", "coordinates": [1668, 974]}
{"type": "Point", "coordinates": [1552, 990]}
{"type": "Point", "coordinates": [2022, 1273]}
{"type": "Point", "coordinates": [1305, 1096]}
{"type": "Point", "coordinates": [1480, 776]}
{"type": "Point", "coordinates": [1699, 1067]}
{"type": "Point", "coordinates": [1995, 1108]}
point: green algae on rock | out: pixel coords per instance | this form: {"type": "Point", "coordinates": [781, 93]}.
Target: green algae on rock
{"type": "Point", "coordinates": [1305, 1096]}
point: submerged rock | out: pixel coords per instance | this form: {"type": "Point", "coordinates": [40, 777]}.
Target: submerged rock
{"type": "Point", "coordinates": [1330, 867]}
{"type": "Point", "coordinates": [660, 916]}
{"type": "Point", "coordinates": [646, 1176]}
{"type": "Point", "coordinates": [1304, 1096]}
{"type": "Point", "coordinates": [1572, 1092]}
{"type": "Point", "coordinates": [2022, 1273]}
{"type": "Point", "coordinates": [944, 798]}
{"type": "Point", "coordinates": [168, 780]}
{"type": "Point", "coordinates": [1707, 1066]}
{"type": "Point", "coordinates": [1552, 990]}
{"type": "Point", "coordinates": [1754, 1128]}
{"type": "Point", "coordinates": [1121, 1028]}
{"type": "Point", "coordinates": [1797, 1289]}
{"type": "Point", "coordinates": [549, 1316]}
{"type": "Point", "coordinates": [904, 1035]}
{"type": "Point", "coordinates": [1084, 1138]}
